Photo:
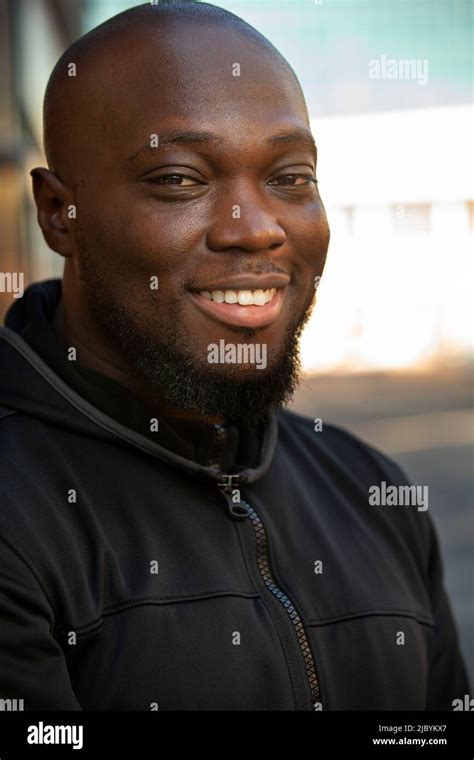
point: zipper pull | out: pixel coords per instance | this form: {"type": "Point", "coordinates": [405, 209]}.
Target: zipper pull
{"type": "Point", "coordinates": [228, 482]}
{"type": "Point", "coordinates": [238, 510]}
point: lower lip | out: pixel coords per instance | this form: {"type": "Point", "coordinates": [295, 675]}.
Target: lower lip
{"type": "Point", "coordinates": [242, 316]}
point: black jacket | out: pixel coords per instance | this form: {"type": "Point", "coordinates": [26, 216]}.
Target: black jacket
{"type": "Point", "coordinates": [133, 578]}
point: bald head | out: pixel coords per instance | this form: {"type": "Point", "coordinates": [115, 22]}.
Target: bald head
{"type": "Point", "coordinates": [93, 84]}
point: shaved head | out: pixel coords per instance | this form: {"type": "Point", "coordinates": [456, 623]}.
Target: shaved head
{"type": "Point", "coordinates": [79, 100]}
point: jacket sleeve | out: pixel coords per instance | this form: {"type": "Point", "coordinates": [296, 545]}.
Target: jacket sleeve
{"type": "Point", "coordinates": [448, 678]}
{"type": "Point", "coordinates": [32, 664]}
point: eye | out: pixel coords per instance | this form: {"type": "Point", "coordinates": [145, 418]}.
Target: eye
{"type": "Point", "coordinates": [294, 180]}
{"type": "Point", "coordinates": [175, 180]}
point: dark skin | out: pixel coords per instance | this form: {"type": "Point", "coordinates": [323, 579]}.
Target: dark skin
{"type": "Point", "coordinates": [167, 212]}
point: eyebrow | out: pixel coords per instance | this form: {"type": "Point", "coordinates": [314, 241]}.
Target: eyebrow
{"type": "Point", "coordinates": [299, 136]}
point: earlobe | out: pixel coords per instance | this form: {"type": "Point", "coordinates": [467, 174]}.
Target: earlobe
{"type": "Point", "coordinates": [50, 196]}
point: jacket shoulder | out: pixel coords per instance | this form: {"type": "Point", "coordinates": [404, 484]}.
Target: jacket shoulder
{"type": "Point", "coordinates": [334, 454]}
{"type": "Point", "coordinates": [338, 443]}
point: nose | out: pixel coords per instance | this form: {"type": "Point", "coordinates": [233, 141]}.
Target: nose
{"type": "Point", "coordinates": [244, 220]}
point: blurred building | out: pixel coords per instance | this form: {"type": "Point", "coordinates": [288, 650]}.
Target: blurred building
{"type": "Point", "coordinates": [397, 289]}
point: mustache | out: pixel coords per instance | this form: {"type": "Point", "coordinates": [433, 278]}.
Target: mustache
{"type": "Point", "coordinates": [243, 268]}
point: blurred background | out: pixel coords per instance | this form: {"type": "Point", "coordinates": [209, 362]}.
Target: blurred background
{"type": "Point", "coordinates": [388, 350]}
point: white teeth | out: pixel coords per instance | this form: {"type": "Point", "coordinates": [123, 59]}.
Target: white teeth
{"type": "Point", "coordinates": [242, 297]}
{"type": "Point", "coordinates": [245, 297]}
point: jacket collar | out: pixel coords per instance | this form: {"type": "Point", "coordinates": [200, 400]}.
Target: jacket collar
{"type": "Point", "coordinates": [22, 320]}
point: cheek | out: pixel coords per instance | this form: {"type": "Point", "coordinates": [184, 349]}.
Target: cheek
{"type": "Point", "coordinates": [320, 232]}
{"type": "Point", "coordinates": [113, 267]}
{"type": "Point", "coordinates": [130, 249]}
{"type": "Point", "coordinates": [177, 225]}
{"type": "Point", "coordinates": [311, 244]}
{"type": "Point", "coordinates": [311, 251]}
{"type": "Point", "coordinates": [165, 242]}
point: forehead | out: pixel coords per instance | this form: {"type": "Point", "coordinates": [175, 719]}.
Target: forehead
{"type": "Point", "coordinates": [206, 78]}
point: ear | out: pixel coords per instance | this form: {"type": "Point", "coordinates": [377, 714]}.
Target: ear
{"type": "Point", "coordinates": [51, 201]}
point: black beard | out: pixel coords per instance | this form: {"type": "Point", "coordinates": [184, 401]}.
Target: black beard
{"type": "Point", "coordinates": [170, 370]}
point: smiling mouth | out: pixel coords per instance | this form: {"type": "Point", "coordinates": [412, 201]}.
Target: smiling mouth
{"type": "Point", "coordinates": [241, 308]}
{"type": "Point", "coordinates": [242, 297]}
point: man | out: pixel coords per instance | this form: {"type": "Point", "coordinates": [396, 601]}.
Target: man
{"type": "Point", "coordinates": [171, 537]}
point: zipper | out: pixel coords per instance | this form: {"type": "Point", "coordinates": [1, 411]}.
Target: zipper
{"type": "Point", "coordinates": [242, 510]}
